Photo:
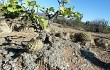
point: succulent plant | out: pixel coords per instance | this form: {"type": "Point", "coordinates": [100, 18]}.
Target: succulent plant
{"type": "Point", "coordinates": [84, 36]}
{"type": "Point", "coordinates": [35, 46]}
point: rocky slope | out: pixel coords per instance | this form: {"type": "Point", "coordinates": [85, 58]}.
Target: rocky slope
{"type": "Point", "coordinates": [59, 52]}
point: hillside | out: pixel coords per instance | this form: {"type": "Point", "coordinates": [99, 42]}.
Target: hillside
{"type": "Point", "coordinates": [36, 37]}
{"type": "Point", "coordinates": [57, 52]}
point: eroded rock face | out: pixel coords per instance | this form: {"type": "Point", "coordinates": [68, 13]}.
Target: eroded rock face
{"type": "Point", "coordinates": [4, 27]}
{"type": "Point", "coordinates": [56, 53]}
{"type": "Point", "coordinates": [61, 55]}
{"type": "Point", "coordinates": [18, 25]}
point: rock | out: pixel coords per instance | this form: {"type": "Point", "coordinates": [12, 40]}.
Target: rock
{"type": "Point", "coordinates": [3, 51]}
{"type": "Point", "coordinates": [6, 67]}
{"type": "Point", "coordinates": [58, 34]}
{"type": "Point", "coordinates": [0, 30]}
{"type": "Point", "coordinates": [28, 61]}
{"type": "Point", "coordinates": [42, 36]}
{"type": "Point", "coordinates": [53, 31]}
{"type": "Point", "coordinates": [1, 60]}
{"type": "Point", "coordinates": [101, 42]}
{"type": "Point", "coordinates": [72, 36]}
{"type": "Point", "coordinates": [54, 56]}
{"type": "Point", "coordinates": [48, 30]}
{"type": "Point", "coordinates": [62, 54]}
{"type": "Point", "coordinates": [66, 35]}
{"type": "Point", "coordinates": [24, 43]}
{"type": "Point", "coordinates": [92, 42]}
{"type": "Point", "coordinates": [4, 26]}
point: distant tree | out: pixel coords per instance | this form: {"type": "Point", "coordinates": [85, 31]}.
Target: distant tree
{"type": "Point", "coordinates": [100, 26]}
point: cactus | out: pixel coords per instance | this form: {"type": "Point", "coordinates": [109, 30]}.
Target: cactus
{"type": "Point", "coordinates": [84, 36]}
{"type": "Point", "coordinates": [35, 46]}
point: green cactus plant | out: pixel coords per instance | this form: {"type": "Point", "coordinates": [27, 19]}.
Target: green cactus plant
{"type": "Point", "coordinates": [35, 46]}
{"type": "Point", "coordinates": [84, 36]}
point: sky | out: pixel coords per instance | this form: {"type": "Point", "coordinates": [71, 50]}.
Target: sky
{"type": "Point", "coordinates": [91, 9]}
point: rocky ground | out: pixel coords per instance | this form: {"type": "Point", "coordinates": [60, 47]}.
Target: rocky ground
{"type": "Point", "coordinates": [56, 54]}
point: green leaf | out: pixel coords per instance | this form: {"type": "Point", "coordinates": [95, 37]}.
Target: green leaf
{"type": "Point", "coordinates": [32, 3]}
{"type": "Point", "coordinates": [28, 0]}
{"type": "Point", "coordinates": [33, 11]}
{"type": "Point", "coordinates": [18, 6]}
{"type": "Point", "coordinates": [67, 1]}
{"type": "Point", "coordinates": [12, 1]}
{"type": "Point", "coordinates": [37, 5]}
{"type": "Point", "coordinates": [62, 8]}
{"type": "Point", "coordinates": [43, 23]}
{"type": "Point", "coordinates": [1, 13]}
{"type": "Point", "coordinates": [10, 9]}
{"type": "Point", "coordinates": [51, 9]}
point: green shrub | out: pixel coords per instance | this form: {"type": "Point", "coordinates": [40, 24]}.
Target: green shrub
{"type": "Point", "coordinates": [11, 9]}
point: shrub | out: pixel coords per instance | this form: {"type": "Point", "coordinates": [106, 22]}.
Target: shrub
{"type": "Point", "coordinates": [100, 26]}
{"type": "Point", "coordinates": [11, 9]}
{"type": "Point", "coordinates": [72, 23]}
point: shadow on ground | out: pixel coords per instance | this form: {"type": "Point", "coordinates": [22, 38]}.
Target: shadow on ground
{"type": "Point", "coordinates": [8, 44]}
{"type": "Point", "coordinates": [17, 52]}
{"type": "Point", "coordinates": [91, 57]}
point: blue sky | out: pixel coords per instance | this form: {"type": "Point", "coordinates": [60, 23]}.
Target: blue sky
{"type": "Point", "coordinates": [91, 9]}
